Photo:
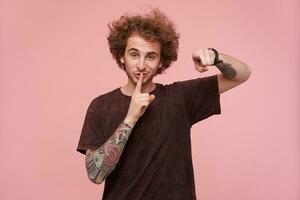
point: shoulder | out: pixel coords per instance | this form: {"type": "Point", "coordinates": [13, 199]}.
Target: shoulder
{"type": "Point", "coordinates": [201, 82]}
{"type": "Point", "coordinates": [96, 102]}
{"type": "Point", "coordinates": [213, 78]}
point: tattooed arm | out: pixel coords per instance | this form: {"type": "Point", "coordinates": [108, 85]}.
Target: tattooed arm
{"type": "Point", "coordinates": [234, 72]}
{"type": "Point", "coordinates": [102, 161]}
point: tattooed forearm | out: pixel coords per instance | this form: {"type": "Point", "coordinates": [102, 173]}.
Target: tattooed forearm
{"type": "Point", "coordinates": [227, 70]}
{"type": "Point", "coordinates": [101, 162]}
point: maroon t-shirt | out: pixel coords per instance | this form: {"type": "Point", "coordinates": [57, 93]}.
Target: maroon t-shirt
{"type": "Point", "coordinates": [156, 163]}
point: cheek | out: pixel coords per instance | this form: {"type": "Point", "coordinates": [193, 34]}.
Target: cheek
{"type": "Point", "coordinates": [156, 67]}
{"type": "Point", "coordinates": [130, 63]}
{"type": "Point", "coordinates": [153, 65]}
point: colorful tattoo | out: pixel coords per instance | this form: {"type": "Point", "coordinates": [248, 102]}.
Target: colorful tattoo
{"type": "Point", "coordinates": [101, 162]}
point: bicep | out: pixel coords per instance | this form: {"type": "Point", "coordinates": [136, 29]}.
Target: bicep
{"type": "Point", "coordinates": [88, 152]}
{"type": "Point", "coordinates": [88, 155]}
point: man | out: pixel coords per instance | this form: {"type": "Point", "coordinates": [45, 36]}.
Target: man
{"type": "Point", "coordinates": [137, 137]}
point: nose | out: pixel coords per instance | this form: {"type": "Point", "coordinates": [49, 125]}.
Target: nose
{"type": "Point", "coordinates": [141, 65]}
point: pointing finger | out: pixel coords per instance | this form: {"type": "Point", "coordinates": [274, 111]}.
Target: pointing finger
{"type": "Point", "coordinates": [138, 86]}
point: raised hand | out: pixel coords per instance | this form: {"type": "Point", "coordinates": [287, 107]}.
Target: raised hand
{"type": "Point", "coordinates": [203, 58]}
{"type": "Point", "coordinates": [139, 103]}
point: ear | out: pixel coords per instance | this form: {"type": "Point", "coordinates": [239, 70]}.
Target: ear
{"type": "Point", "coordinates": [122, 60]}
{"type": "Point", "coordinates": [160, 65]}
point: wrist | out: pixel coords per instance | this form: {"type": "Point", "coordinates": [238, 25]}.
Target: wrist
{"type": "Point", "coordinates": [130, 121]}
{"type": "Point", "coordinates": [217, 56]}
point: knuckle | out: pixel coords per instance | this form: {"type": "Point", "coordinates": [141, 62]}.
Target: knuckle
{"type": "Point", "coordinates": [145, 95]}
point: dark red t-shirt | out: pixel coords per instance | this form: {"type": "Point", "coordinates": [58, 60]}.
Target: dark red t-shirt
{"type": "Point", "coordinates": [156, 163]}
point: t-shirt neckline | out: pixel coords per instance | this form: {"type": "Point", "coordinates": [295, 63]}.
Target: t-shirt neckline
{"type": "Point", "coordinates": [152, 92]}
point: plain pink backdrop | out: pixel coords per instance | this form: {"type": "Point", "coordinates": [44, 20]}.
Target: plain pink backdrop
{"type": "Point", "coordinates": [55, 60]}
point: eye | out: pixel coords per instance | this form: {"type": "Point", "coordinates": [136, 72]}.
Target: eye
{"type": "Point", "coordinates": [151, 57]}
{"type": "Point", "coordinates": [134, 54]}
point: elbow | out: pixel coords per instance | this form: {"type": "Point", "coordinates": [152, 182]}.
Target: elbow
{"type": "Point", "coordinates": [249, 71]}
{"type": "Point", "coordinates": [246, 74]}
{"type": "Point", "coordinates": [95, 180]}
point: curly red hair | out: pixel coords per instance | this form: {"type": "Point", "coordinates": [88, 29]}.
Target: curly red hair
{"type": "Point", "coordinates": [154, 26]}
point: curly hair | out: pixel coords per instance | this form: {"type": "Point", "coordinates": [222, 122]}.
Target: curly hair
{"type": "Point", "coordinates": [154, 26]}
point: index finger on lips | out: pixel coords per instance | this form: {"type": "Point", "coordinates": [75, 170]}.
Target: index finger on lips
{"type": "Point", "coordinates": [138, 86]}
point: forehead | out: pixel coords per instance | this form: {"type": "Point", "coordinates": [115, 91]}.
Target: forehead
{"type": "Point", "coordinates": [137, 42]}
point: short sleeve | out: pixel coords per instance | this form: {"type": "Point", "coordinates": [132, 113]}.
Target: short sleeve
{"type": "Point", "coordinates": [91, 134]}
{"type": "Point", "coordinates": [201, 97]}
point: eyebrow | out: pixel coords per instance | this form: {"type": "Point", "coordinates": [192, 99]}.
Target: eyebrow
{"type": "Point", "coordinates": [134, 49]}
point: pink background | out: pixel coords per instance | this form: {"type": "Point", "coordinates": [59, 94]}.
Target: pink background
{"type": "Point", "coordinates": [55, 60]}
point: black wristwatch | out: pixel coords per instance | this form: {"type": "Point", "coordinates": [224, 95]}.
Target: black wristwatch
{"type": "Point", "coordinates": [225, 68]}
{"type": "Point", "coordinates": [216, 61]}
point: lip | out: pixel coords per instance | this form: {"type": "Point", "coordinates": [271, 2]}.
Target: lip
{"type": "Point", "coordinates": [139, 73]}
